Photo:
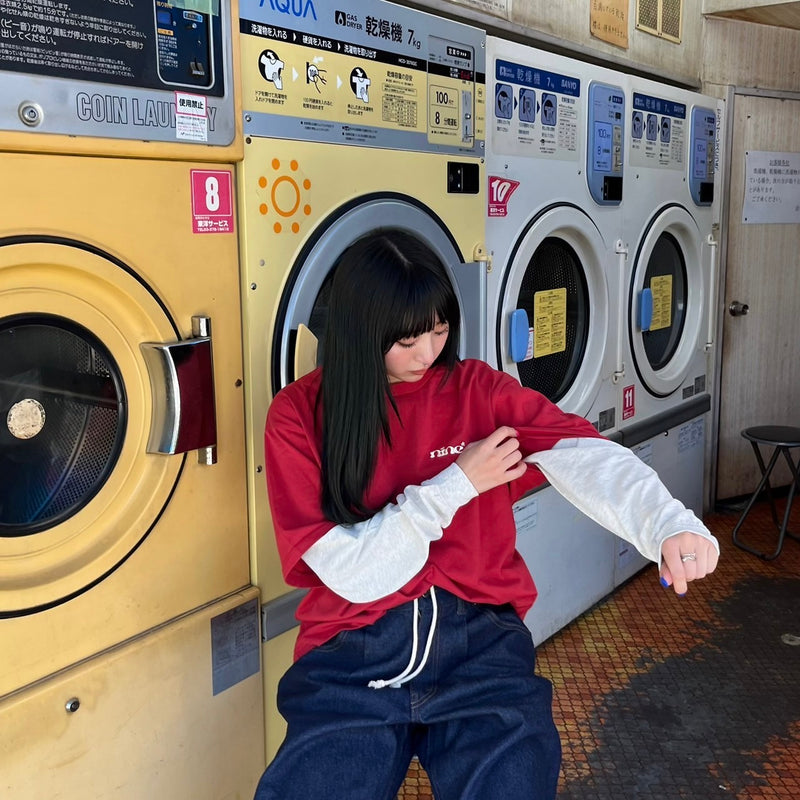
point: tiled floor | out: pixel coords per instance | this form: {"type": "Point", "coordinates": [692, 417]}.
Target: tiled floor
{"type": "Point", "coordinates": [695, 697]}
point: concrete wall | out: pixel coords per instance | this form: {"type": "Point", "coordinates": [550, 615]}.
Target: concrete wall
{"type": "Point", "coordinates": [747, 55]}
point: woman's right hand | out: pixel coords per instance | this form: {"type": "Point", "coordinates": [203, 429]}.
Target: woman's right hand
{"type": "Point", "coordinates": [493, 461]}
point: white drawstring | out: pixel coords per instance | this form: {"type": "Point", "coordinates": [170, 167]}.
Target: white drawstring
{"type": "Point", "coordinates": [404, 676]}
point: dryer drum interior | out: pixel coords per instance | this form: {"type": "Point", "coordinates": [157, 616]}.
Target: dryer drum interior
{"type": "Point", "coordinates": [666, 261]}
{"type": "Point", "coordinates": [65, 422]}
{"type": "Point", "coordinates": [306, 302]}
{"type": "Point", "coordinates": [553, 266]}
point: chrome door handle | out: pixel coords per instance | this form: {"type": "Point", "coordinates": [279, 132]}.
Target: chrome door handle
{"type": "Point", "coordinates": [182, 385]}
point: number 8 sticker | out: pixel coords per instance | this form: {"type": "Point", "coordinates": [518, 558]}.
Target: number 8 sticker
{"type": "Point", "coordinates": [212, 201]}
{"type": "Point", "coordinates": [212, 193]}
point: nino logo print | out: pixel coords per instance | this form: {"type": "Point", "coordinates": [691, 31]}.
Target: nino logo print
{"type": "Point", "coordinates": [448, 450]}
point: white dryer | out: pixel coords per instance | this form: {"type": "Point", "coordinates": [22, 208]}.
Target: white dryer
{"type": "Point", "coordinates": [554, 166]}
{"type": "Point", "coordinates": [668, 218]}
{"type": "Point", "coordinates": [671, 150]}
{"type": "Point", "coordinates": [555, 187]}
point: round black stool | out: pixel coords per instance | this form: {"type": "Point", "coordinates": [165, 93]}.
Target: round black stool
{"type": "Point", "coordinates": [783, 438]}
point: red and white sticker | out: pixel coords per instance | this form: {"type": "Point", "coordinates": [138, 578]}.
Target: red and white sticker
{"type": "Point", "coordinates": [212, 201]}
{"type": "Point", "coordinates": [191, 117]}
{"type": "Point", "coordinates": [628, 402]}
{"type": "Point", "coordinates": [500, 191]}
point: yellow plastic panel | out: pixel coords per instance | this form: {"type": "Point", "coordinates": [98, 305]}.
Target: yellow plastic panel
{"type": "Point", "coordinates": [111, 246]}
{"type": "Point", "coordinates": [145, 725]}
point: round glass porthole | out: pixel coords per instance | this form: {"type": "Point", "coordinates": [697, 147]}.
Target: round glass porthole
{"type": "Point", "coordinates": [555, 296]}
{"type": "Point", "coordinates": [307, 297]}
{"type": "Point", "coordinates": [665, 276]}
{"type": "Point", "coordinates": [62, 421]}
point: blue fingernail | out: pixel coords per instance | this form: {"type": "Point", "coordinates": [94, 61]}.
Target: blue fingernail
{"type": "Point", "coordinates": [682, 595]}
{"type": "Point", "coordinates": [664, 583]}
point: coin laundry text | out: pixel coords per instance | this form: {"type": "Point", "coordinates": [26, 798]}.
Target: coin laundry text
{"type": "Point", "coordinates": [120, 110]}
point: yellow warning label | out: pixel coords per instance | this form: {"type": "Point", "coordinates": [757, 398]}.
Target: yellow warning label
{"type": "Point", "coordinates": [661, 289]}
{"type": "Point", "coordinates": [550, 322]}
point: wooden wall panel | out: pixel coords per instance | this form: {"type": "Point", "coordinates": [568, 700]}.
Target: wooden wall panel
{"type": "Point", "coordinates": [760, 379]}
{"type": "Point", "coordinates": [754, 56]}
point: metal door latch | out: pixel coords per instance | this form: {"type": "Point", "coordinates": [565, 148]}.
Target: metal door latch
{"type": "Point", "coordinates": [182, 385]}
{"type": "Point", "coordinates": [737, 309]}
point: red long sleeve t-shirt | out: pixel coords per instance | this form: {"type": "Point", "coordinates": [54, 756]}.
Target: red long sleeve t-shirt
{"type": "Point", "coordinates": [476, 558]}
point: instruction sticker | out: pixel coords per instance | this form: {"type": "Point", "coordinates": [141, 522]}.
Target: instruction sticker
{"type": "Point", "coordinates": [526, 513]}
{"type": "Point", "coordinates": [550, 322]}
{"type": "Point", "coordinates": [657, 132]}
{"type": "Point", "coordinates": [661, 288]}
{"type": "Point", "coordinates": [235, 646]}
{"type": "Point", "coordinates": [535, 112]}
{"type": "Point", "coordinates": [191, 117]}
{"type": "Point", "coordinates": [691, 435]}
{"type": "Point", "coordinates": [370, 74]}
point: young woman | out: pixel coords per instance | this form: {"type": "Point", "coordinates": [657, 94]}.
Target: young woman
{"type": "Point", "coordinates": [391, 473]}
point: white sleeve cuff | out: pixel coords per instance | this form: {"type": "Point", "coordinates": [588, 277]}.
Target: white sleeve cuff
{"type": "Point", "coordinates": [376, 557]}
{"type": "Point", "coordinates": [616, 489]}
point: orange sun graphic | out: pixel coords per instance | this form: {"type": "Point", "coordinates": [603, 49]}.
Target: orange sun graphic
{"type": "Point", "coordinates": [287, 196]}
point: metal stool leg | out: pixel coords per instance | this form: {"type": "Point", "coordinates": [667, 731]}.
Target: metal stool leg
{"type": "Point", "coordinates": [795, 469]}
{"type": "Point", "coordinates": [765, 472]}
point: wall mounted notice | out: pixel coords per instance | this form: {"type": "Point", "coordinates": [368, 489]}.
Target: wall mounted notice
{"type": "Point", "coordinates": [608, 20]}
{"type": "Point", "coordinates": [771, 188]}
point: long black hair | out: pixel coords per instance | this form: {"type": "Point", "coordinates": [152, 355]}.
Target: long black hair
{"type": "Point", "coordinates": [386, 286]}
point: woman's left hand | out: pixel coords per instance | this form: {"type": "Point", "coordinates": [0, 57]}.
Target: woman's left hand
{"type": "Point", "coordinates": [686, 557]}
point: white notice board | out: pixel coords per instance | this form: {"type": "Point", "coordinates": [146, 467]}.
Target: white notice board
{"type": "Point", "coordinates": [771, 188]}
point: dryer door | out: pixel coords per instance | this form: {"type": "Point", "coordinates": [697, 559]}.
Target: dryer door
{"type": "Point", "coordinates": [552, 326]}
{"type": "Point", "coordinates": [666, 301]}
{"type": "Point", "coordinates": [78, 490]}
{"type": "Point", "coordinates": [298, 343]}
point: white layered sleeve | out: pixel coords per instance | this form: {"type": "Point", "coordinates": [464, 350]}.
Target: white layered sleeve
{"type": "Point", "coordinates": [371, 559]}
{"type": "Point", "coordinates": [616, 489]}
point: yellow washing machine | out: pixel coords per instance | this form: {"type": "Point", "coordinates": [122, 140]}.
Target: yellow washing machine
{"type": "Point", "coordinates": [128, 623]}
{"type": "Point", "coordinates": [354, 120]}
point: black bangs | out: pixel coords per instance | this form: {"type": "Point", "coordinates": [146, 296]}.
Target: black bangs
{"type": "Point", "coordinates": [428, 304]}
{"type": "Point", "coordinates": [397, 288]}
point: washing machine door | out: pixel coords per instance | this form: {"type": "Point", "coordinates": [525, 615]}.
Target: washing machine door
{"type": "Point", "coordinates": [298, 344]}
{"type": "Point", "coordinates": [78, 490]}
{"type": "Point", "coordinates": [552, 325]}
{"type": "Point", "coordinates": [666, 301]}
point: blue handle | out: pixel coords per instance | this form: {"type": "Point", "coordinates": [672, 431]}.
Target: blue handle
{"type": "Point", "coordinates": [645, 309]}
{"type": "Point", "coordinates": [520, 332]}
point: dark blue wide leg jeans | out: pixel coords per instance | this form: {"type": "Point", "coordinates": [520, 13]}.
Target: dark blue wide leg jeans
{"type": "Point", "coordinates": [477, 716]}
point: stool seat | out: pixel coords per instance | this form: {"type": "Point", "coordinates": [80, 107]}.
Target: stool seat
{"type": "Point", "coordinates": [779, 435]}
{"type": "Point", "coordinates": [784, 438]}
